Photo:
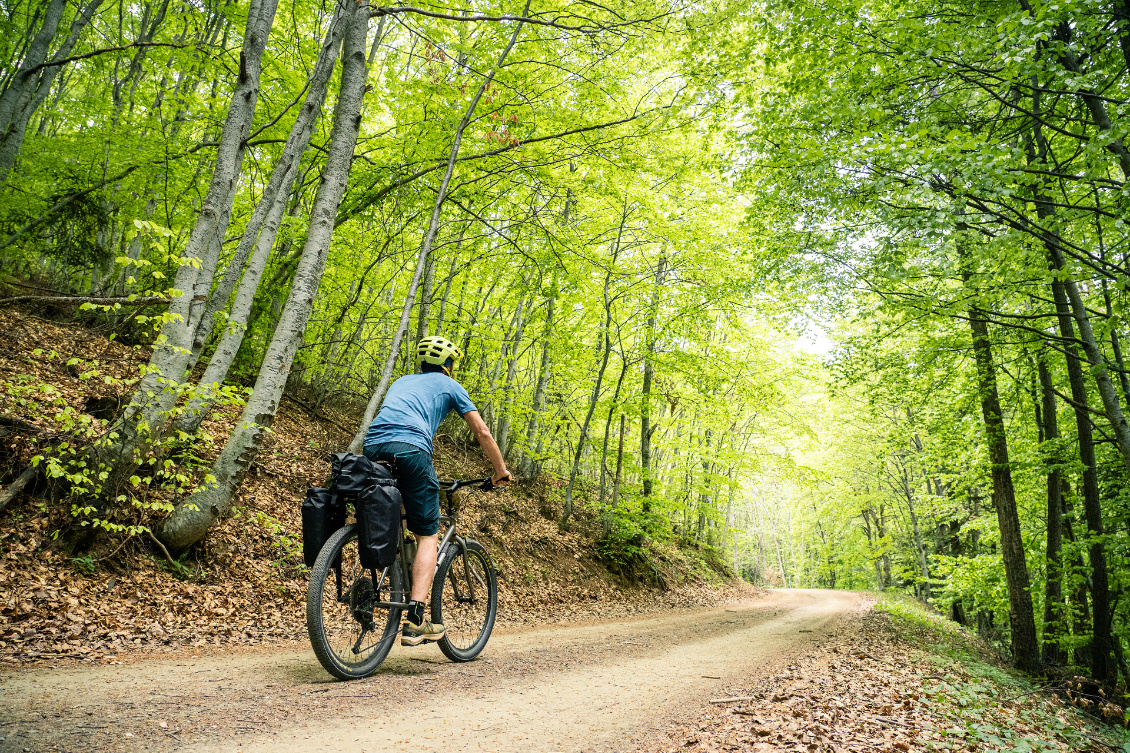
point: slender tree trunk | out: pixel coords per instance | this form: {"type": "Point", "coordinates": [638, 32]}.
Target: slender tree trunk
{"type": "Point", "coordinates": [1039, 152]}
{"type": "Point", "coordinates": [1053, 588]}
{"type": "Point", "coordinates": [279, 185]}
{"type": "Point", "coordinates": [924, 591]}
{"type": "Point", "coordinates": [441, 318]}
{"type": "Point", "coordinates": [1116, 347]}
{"type": "Point", "coordinates": [1092, 504]}
{"type": "Point", "coordinates": [646, 429]}
{"type": "Point", "coordinates": [588, 419]}
{"type": "Point", "coordinates": [1025, 646]}
{"type": "Point", "coordinates": [227, 349]}
{"type": "Point", "coordinates": [780, 559]}
{"type": "Point", "coordinates": [191, 519]}
{"type": "Point", "coordinates": [619, 476]}
{"type": "Point", "coordinates": [425, 300]}
{"type": "Point", "coordinates": [607, 329]}
{"type": "Point", "coordinates": [532, 457]}
{"type": "Point", "coordinates": [503, 438]}
{"type": "Point", "coordinates": [1069, 303]}
{"type": "Point", "coordinates": [607, 433]}
{"type": "Point", "coordinates": [426, 246]}
{"type": "Point", "coordinates": [875, 544]}
{"type": "Point", "coordinates": [1107, 391]}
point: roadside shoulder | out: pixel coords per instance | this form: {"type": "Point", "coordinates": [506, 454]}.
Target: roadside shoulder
{"type": "Point", "coordinates": [905, 680]}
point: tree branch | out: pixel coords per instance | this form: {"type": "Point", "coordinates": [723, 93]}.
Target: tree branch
{"type": "Point", "coordinates": [125, 300]}
{"type": "Point", "coordinates": [584, 29]}
{"type": "Point", "coordinates": [95, 53]}
{"type": "Point", "coordinates": [365, 203]}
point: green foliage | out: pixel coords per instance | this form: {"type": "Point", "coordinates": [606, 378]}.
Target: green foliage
{"type": "Point", "coordinates": [71, 460]}
{"type": "Point", "coordinates": [84, 564]}
{"type": "Point", "coordinates": [287, 542]}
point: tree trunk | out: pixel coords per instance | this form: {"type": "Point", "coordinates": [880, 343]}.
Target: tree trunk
{"type": "Point", "coordinates": [1107, 392]}
{"type": "Point", "coordinates": [1053, 590]}
{"type": "Point", "coordinates": [588, 419]}
{"type": "Point", "coordinates": [646, 428]}
{"type": "Point", "coordinates": [278, 187]}
{"type": "Point", "coordinates": [1092, 504]}
{"type": "Point", "coordinates": [532, 457]}
{"type": "Point", "coordinates": [425, 300]}
{"type": "Point", "coordinates": [616, 483]}
{"type": "Point", "coordinates": [192, 518]}
{"type": "Point", "coordinates": [607, 329]}
{"type": "Point", "coordinates": [426, 246]}
{"type": "Point", "coordinates": [607, 433]}
{"type": "Point", "coordinates": [1070, 303]}
{"type": "Point", "coordinates": [1025, 647]}
{"type": "Point", "coordinates": [227, 349]}
{"type": "Point", "coordinates": [441, 318]}
{"type": "Point", "coordinates": [503, 438]}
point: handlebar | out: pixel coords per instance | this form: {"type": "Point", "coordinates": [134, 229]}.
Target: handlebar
{"type": "Point", "coordinates": [450, 486]}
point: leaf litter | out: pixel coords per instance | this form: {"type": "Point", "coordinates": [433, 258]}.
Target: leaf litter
{"type": "Point", "coordinates": [882, 688]}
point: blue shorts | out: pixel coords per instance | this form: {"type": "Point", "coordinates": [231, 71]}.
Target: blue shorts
{"type": "Point", "coordinates": [416, 477]}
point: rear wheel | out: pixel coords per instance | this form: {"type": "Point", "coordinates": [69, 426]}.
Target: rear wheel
{"type": "Point", "coordinates": [351, 636]}
{"type": "Point", "coordinates": [465, 600]}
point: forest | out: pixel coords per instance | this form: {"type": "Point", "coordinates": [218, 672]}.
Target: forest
{"type": "Point", "coordinates": [834, 289]}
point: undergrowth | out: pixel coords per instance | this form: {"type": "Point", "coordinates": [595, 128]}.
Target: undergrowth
{"type": "Point", "coordinates": [987, 705]}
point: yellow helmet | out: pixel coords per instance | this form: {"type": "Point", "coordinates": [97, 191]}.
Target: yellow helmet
{"type": "Point", "coordinates": [436, 350]}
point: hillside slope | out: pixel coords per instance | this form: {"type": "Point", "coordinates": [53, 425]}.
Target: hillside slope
{"type": "Point", "coordinates": [244, 584]}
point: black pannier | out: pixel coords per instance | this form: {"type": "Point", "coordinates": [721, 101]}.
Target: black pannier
{"type": "Point", "coordinates": [378, 524]}
{"type": "Point", "coordinates": [351, 474]}
{"type": "Point", "coordinates": [323, 512]}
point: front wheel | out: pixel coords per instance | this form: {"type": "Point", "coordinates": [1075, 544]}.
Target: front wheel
{"type": "Point", "coordinates": [350, 634]}
{"type": "Point", "coordinates": [465, 600]}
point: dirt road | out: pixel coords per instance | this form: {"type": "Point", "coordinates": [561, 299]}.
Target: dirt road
{"type": "Point", "coordinates": [600, 687]}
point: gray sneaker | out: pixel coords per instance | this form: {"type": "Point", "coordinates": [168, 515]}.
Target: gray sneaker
{"type": "Point", "coordinates": [414, 635]}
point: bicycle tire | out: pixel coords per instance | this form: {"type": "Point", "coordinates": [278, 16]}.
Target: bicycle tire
{"type": "Point", "coordinates": [466, 612]}
{"type": "Point", "coordinates": [334, 614]}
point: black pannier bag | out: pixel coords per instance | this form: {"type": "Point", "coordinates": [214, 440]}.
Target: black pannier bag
{"type": "Point", "coordinates": [351, 474]}
{"type": "Point", "coordinates": [323, 512]}
{"type": "Point", "coordinates": [378, 523]}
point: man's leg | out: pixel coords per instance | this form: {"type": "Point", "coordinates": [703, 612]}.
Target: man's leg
{"type": "Point", "coordinates": [420, 489]}
{"type": "Point", "coordinates": [418, 628]}
{"type": "Point", "coordinates": [424, 566]}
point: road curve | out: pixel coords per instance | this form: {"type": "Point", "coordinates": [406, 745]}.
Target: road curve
{"type": "Point", "coordinates": [576, 688]}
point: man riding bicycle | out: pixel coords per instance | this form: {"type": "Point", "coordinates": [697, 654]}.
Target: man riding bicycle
{"type": "Point", "coordinates": [412, 411]}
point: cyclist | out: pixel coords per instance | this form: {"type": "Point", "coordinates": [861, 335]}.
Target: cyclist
{"type": "Point", "coordinates": [403, 429]}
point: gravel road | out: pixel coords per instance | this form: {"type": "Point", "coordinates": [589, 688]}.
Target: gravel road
{"type": "Point", "coordinates": [597, 687]}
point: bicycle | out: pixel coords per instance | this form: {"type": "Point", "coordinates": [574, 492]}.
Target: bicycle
{"type": "Point", "coordinates": [344, 608]}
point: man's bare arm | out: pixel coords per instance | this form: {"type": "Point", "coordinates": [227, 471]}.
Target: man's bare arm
{"type": "Point", "coordinates": [490, 447]}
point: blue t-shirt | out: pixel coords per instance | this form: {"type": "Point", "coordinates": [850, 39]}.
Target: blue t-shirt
{"type": "Point", "coordinates": [414, 408]}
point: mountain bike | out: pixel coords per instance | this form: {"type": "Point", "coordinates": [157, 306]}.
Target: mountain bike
{"type": "Point", "coordinates": [353, 614]}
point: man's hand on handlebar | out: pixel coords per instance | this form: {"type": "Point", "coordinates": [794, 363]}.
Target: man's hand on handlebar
{"type": "Point", "coordinates": [497, 480]}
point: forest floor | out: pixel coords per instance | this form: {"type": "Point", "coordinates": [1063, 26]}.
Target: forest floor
{"type": "Point", "coordinates": [812, 671]}
{"type": "Point", "coordinates": [245, 585]}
